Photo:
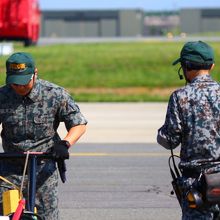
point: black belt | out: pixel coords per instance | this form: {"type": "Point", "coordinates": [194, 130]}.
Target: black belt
{"type": "Point", "coordinates": [193, 173]}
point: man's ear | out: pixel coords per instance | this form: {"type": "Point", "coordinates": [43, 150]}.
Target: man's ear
{"type": "Point", "coordinates": [212, 67]}
{"type": "Point", "coordinates": [35, 73]}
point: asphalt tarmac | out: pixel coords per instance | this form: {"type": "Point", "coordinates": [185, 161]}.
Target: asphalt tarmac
{"type": "Point", "coordinates": [116, 181]}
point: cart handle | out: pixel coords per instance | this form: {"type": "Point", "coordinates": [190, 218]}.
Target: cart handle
{"type": "Point", "coordinates": [40, 155]}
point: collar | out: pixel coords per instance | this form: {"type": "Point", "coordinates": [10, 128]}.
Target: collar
{"type": "Point", "coordinates": [35, 94]}
{"type": "Point", "coordinates": [202, 78]}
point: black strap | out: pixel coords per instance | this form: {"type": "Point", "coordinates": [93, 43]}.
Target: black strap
{"type": "Point", "coordinates": [176, 173]}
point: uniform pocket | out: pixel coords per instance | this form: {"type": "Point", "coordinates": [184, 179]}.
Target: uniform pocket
{"type": "Point", "coordinates": [11, 120]}
{"type": "Point", "coordinates": [40, 120]}
{"type": "Point", "coordinates": [43, 127]}
{"type": "Point", "coordinates": [12, 127]}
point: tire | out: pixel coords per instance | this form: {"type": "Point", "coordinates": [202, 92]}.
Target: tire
{"type": "Point", "coordinates": [28, 42]}
{"type": "Point", "coordinates": [28, 216]}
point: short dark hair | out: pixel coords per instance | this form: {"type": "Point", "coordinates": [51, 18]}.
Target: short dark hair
{"type": "Point", "coordinates": [195, 66]}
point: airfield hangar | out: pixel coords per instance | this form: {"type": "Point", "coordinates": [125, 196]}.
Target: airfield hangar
{"type": "Point", "coordinates": [92, 23]}
{"type": "Point", "coordinates": [126, 23]}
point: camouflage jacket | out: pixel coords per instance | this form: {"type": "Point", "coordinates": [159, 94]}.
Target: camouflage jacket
{"type": "Point", "coordinates": [31, 122]}
{"type": "Point", "coordinates": [193, 120]}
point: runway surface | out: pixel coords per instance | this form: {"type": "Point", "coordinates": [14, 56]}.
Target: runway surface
{"type": "Point", "coordinates": [118, 181]}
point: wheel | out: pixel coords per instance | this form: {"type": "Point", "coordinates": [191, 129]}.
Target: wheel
{"type": "Point", "coordinates": [28, 42]}
{"type": "Point", "coordinates": [30, 216]}
{"type": "Point", "coordinates": [27, 216]}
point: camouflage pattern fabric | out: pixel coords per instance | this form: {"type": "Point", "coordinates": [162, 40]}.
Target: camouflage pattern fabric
{"type": "Point", "coordinates": [193, 121]}
{"type": "Point", "coordinates": [30, 124]}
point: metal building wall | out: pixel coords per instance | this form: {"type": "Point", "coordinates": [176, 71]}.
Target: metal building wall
{"type": "Point", "coordinates": [199, 20]}
{"type": "Point", "coordinates": [190, 20]}
{"type": "Point", "coordinates": [131, 23]}
{"type": "Point", "coordinates": [108, 27]}
{"type": "Point", "coordinates": [210, 25]}
{"type": "Point", "coordinates": [210, 20]}
{"type": "Point", "coordinates": [69, 24]}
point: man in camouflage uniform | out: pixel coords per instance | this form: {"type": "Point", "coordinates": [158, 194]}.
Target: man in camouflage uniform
{"type": "Point", "coordinates": [193, 118]}
{"type": "Point", "coordinates": [30, 112]}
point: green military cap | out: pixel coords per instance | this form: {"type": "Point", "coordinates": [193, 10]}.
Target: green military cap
{"type": "Point", "coordinates": [196, 52]}
{"type": "Point", "coordinates": [19, 68]}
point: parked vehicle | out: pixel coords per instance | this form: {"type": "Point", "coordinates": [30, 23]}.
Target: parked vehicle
{"type": "Point", "coordinates": [20, 21]}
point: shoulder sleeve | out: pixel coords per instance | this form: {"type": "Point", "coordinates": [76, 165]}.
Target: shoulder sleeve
{"type": "Point", "coordinates": [69, 111]}
{"type": "Point", "coordinates": [169, 135]}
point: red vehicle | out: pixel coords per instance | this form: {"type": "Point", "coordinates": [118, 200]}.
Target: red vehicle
{"type": "Point", "coordinates": [20, 21]}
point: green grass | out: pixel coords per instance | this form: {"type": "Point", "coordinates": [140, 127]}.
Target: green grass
{"type": "Point", "coordinates": [84, 97]}
{"type": "Point", "coordinates": [110, 65]}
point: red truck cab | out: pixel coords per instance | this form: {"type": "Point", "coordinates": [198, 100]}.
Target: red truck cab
{"type": "Point", "coordinates": [20, 21]}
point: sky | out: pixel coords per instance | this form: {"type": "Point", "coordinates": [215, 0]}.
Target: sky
{"type": "Point", "coordinates": [147, 5]}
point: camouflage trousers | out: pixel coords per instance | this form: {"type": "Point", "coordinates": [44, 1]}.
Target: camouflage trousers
{"type": "Point", "coordinates": [46, 187]}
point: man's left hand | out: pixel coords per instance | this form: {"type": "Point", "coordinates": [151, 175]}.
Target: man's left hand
{"type": "Point", "coordinates": [60, 150]}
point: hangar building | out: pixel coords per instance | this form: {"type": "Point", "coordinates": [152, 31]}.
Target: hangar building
{"type": "Point", "coordinates": [92, 23]}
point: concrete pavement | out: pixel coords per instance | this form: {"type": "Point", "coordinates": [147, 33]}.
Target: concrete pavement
{"type": "Point", "coordinates": [121, 122]}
